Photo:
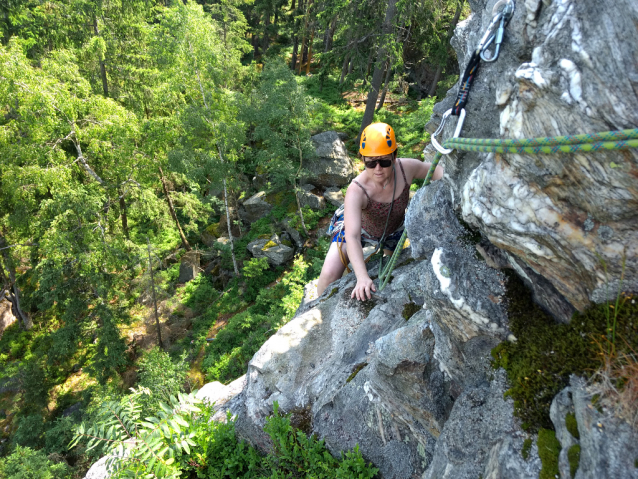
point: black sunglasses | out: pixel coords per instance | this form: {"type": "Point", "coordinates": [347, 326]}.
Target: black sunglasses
{"type": "Point", "coordinates": [373, 164]}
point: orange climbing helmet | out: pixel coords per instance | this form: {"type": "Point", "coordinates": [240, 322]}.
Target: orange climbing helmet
{"type": "Point", "coordinates": [377, 139]}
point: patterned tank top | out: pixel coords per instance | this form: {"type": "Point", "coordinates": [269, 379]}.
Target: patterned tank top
{"type": "Point", "coordinates": [374, 215]}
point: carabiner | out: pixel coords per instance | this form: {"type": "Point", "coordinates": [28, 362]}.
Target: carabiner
{"type": "Point", "coordinates": [457, 131]}
{"type": "Point", "coordinates": [501, 15]}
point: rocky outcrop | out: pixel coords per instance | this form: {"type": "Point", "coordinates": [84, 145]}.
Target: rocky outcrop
{"type": "Point", "coordinates": [189, 267]}
{"type": "Point", "coordinates": [559, 73]}
{"type": "Point", "coordinates": [607, 444]}
{"type": "Point", "coordinates": [334, 196]}
{"type": "Point", "coordinates": [272, 248]}
{"type": "Point", "coordinates": [6, 315]}
{"type": "Point", "coordinates": [405, 374]}
{"type": "Point", "coordinates": [408, 374]}
{"type": "Point", "coordinates": [331, 165]}
{"type": "Point", "coordinates": [254, 208]}
{"type": "Point", "coordinates": [307, 197]}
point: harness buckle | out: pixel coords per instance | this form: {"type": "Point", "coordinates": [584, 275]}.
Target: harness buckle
{"type": "Point", "coordinates": [457, 131]}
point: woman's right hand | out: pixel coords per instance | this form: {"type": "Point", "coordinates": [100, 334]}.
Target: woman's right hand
{"type": "Point", "coordinates": [363, 290]}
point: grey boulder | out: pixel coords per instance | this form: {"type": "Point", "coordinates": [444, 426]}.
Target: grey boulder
{"type": "Point", "coordinates": [331, 165]}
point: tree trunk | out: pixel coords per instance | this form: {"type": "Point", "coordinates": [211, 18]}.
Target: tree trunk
{"type": "Point", "coordinates": [255, 45]}
{"type": "Point", "coordinates": [331, 35]}
{"type": "Point", "coordinates": [230, 234]}
{"type": "Point", "coordinates": [295, 48]}
{"type": "Point", "coordinates": [435, 81]}
{"type": "Point", "coordinates": [172, 211]}
{"type": "Point", "coordinates": [377, 76]}
{"type": "Point", "coordinates": [312, 37]}
{"type": "Point", "coordinates": [368, 64]}
{"type": "Point", "coordinates": [294, 185]}
{"type": "Point", "coordinates": [344, 68]}
{"type": "Point", "coordinates": [105, 86]}
{"type": "Point", "coordinates": [123, 215]}
{"type": "Point", "coordinates": [264, 45]}
{"type": "Point", "coordinates": [150, 269]}
{"type": "Point", "coordinates": [12, 287]}
{"type": "Point", "coordinates": [388, 73]}
{"type": "Point", "coordinates": [450, 32]}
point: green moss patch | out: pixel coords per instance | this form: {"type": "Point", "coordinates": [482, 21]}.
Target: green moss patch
{"type": "Point", "coordinates": [356, 370]}
{"type": "Point", "coordinates": [268, 245]}
{"type": "Point", "coordinates": [573, 456]}
{"type": "Point", "coordinates": [572, 424]}
{"type": "Point", "coordinates": [540, 362]}
{"type": "Point", "coordinates": [333, 292]}
{"type": "Point", "coordinates": [527, 447]}
{"type": "Point", "coordinates": [410, 309]}
{"type": "Point", "coordinates": [548, 451]}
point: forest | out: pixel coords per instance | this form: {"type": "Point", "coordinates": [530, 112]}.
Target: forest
{"type": "Point", "coordinates": [128, 129]}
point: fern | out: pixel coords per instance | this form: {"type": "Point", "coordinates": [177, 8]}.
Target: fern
{"type": "Point", "coordinates": [146, 447]}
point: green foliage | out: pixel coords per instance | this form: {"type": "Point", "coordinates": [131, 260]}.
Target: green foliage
{"type": "Point", "coordinates": [26, 463]}
{"type": "Point", "coordinates": [139, 446]}
{"type": "Point", "coordinates": [30, 431]}
{"type": "Point", "coordinates": [311, 217]}
{"type": "Point", "coordinates": [254, 267]}
{"type": "Point", "coordinates": [295, 453]}
{"type": "Point", "coordinates": [548, 451]}
{"type": "Point", "coordinates": [573, 456]}
{"type": "Point", "coordinates": [572, 424]}
{"type": "Point", "coordinates": [162, 377]}
{"type": "Point", "coordinates": [227, 357]}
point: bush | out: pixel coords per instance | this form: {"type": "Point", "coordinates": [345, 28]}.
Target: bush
{"type": "Point", "coordinates": [162, 377]}
{"type": "Point", "coordinates": [26, 463]}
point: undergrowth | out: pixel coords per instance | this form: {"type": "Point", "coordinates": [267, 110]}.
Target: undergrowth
{"type": "Point", "coordinates": [540, 362]}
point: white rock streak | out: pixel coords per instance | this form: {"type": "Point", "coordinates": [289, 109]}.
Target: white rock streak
{"type": "Point", "coordinates": [459, 303]}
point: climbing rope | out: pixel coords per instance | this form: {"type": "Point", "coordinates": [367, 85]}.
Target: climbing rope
{"type": "Point", "coordinates": [608, 140]}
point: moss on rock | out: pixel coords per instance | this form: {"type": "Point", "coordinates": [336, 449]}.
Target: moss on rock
{"type": "Point", "coordinates": [410, 309]}
{"type": "Point", "coordinates": [572, 424]}
{"type": "Point", "coordinates": [548, 451]}
{"type": "Point", "coordinates": [356, 370]}
{"type": "Point", "coordinates": [540, 362]}
{"type": "Point", "coordinates": [268, 245]}
{"type": "Point", "coordinates": [573, 456]}
{"type": "Point", "coordinates": [527, 447]}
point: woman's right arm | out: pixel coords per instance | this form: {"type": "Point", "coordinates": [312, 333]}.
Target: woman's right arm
{"type": "Point", "coordinates": [352, 220]}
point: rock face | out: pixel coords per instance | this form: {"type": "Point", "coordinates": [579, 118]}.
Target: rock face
{"type": "Point", "coordinates": [6, 315]}
{"type": "Point", "coordinates": [189, 268]}
{"type": "Point", "coordinates": [408, 374]}
{"type": "Point", "coordinates": [254, 208]}
{"type": "Point", "coordinates": [559, 73]}
{"type": "Point", "coordinates": [273, 249]}
{"type": "Point", "coordinates": [608, 445]}
{"type": "Point", "coordinates": [331, 166]}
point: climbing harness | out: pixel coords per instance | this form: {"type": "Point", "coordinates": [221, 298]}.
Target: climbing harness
{"type": "Point", "coordinates": [379, 246]}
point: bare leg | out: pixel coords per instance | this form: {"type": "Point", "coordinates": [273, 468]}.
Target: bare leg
{"type": "Point", "coordinates": [333, 268]}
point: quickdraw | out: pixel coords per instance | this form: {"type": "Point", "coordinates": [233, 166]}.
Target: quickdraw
{"type": "Point", "coordinates": [501, 15]}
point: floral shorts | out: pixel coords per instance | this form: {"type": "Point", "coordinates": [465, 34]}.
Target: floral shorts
{"type": "Point", "coordinates": [337, 231]}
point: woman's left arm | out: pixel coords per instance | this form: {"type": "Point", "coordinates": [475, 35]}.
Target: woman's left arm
{"type": "Point", "coordinates": [419, 169]}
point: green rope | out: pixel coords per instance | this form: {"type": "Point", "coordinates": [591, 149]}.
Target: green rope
{"type": "Point", "coordinates": [608, 140]}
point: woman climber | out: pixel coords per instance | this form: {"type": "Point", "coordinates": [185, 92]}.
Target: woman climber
{"type": "Point", "coordinates": [373, 212]}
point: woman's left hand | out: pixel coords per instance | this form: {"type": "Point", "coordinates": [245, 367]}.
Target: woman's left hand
{"type": "Point", "coordinates": [365, 287]}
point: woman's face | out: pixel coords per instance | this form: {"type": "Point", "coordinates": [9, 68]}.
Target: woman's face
{"type": "Point", "coordinates": [379, 168]}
